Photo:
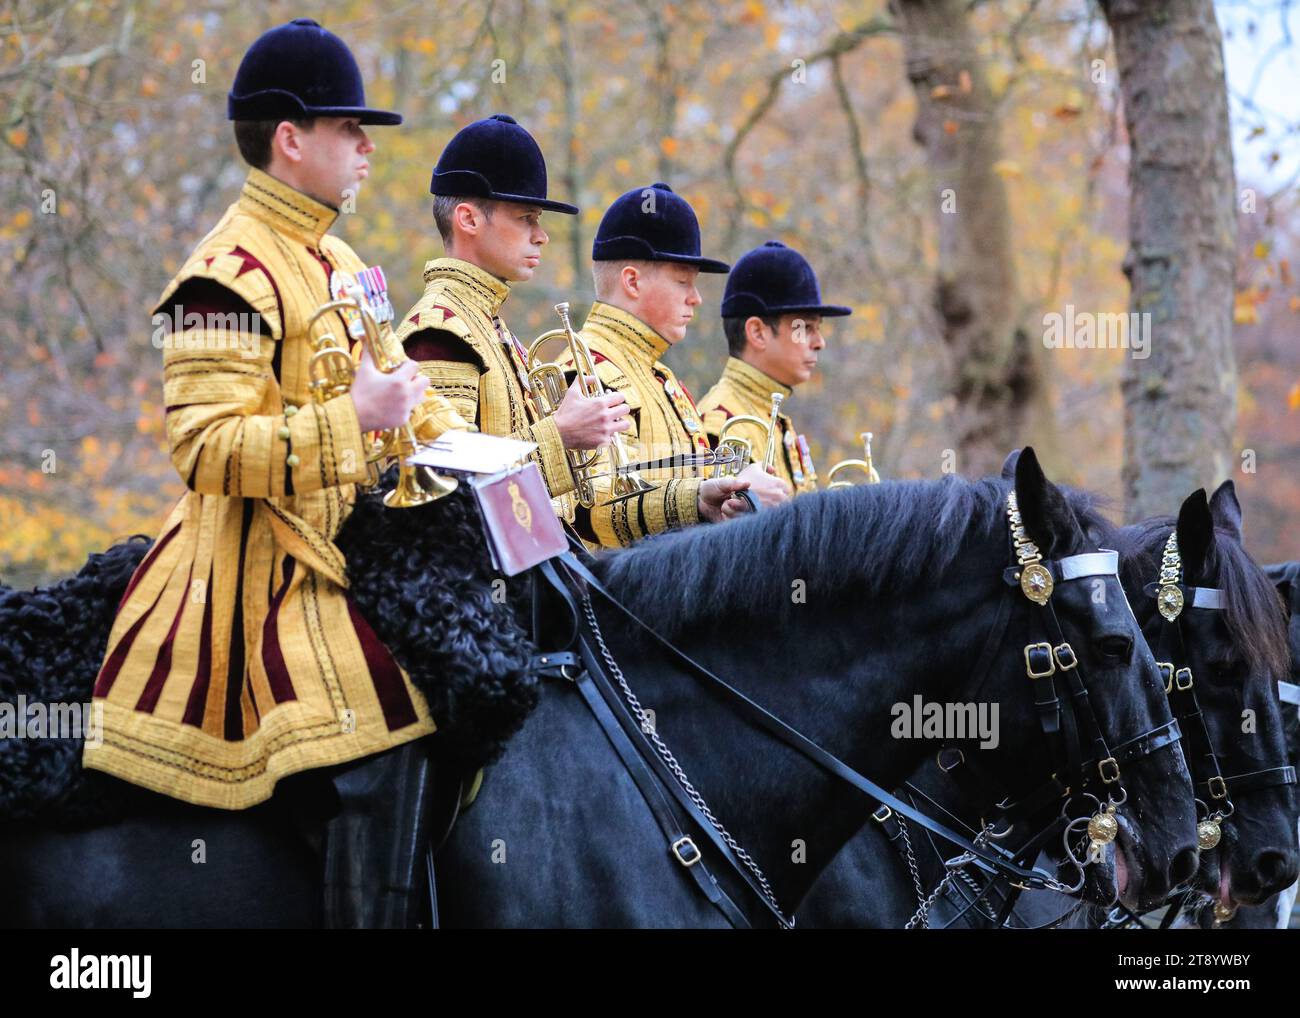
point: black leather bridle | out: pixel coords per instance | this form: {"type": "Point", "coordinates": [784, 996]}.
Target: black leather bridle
{"type": "Point", "coordinates": [1173, 597]}
{"type": "Point", "coordinates": [586, 661]}
{"type": "Point", "coordinates": [1073, 772]}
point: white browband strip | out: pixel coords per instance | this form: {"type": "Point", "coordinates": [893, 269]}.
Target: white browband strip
{"type": "Point", "coordinates": [1289, 692]}
{"type": "Point", "coordinates": [1096, 563]}
{"type": "Point", "coordinates": [1205, 597]}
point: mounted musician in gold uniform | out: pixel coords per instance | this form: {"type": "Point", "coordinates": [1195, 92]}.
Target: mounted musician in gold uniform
{"type": "Point", "coordinates": [237, 657]}
{"type": "Point", "coordinates": [647, 258]}
{"type": "Point", "coordinates": [772, 315]}
{"type": "Point", "coordinates": [490, 192]}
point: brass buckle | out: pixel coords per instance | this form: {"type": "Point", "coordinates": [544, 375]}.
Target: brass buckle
{"type": "Point", "coordinates": [1101, 769]}
{"type": "Point", "coordinates": [1219, 790]}
{"type": "Point", "coordinates": [1178, 679]}
{"type": "Point", "coordinates": [687, 843]}
{"type": "Point", "coordinates": [880, 816]}
{"type": "Point", "coordinates": [1167, 670]}
{"type": "Point", "coordinates": [1051, 661]}
{"type": "Point", "coordinates": [1068, 655]}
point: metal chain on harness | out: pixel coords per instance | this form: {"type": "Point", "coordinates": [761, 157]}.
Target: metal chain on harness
{"type": "Point", "coordinates": [911, 860]}
{"type": "Point", "coordinates": [639, 714]}
{"type": "Point", "coordinates": [922, 915]}
{"type": "Point", "coordinates": [981, 895]}
{"type": "Point", "coordinates": [910, 856]}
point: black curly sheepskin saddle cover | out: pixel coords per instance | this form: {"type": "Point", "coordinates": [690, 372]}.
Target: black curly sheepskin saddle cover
{"type": "Point", "coordinates": [423, 578]}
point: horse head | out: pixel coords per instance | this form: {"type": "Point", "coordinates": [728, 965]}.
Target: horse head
{"type": "Point", "coordinates": [1116, 745]}
{"type": "Point", "coordinates": [1227, 634]}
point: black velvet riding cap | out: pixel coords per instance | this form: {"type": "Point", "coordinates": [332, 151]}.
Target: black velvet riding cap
{"type": "Point", "coordinates": [300, 70]}
{"type": "Point", "coordinates": [772, 280]}
{"type": "Point", "coordinates": [652, 224]}
{"type": "Point", "coordinates": [495, 158]}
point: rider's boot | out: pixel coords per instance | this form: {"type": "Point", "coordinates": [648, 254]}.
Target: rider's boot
{"type": "Point", "coordinates": [375, 847]}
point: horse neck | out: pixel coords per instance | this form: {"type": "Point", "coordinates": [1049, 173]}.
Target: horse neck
{"type": "Point", "coordinates": [832, 669]}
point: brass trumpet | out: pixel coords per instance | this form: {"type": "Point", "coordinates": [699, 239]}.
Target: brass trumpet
{"type": "Point", "coordinates": [863, 464]}
{"type": "Point", "coordinates": [332, 372]}
{"type": "Point", "coordinates": [741, 447]}
{"type": "Point", "coordinates": [546, 379]}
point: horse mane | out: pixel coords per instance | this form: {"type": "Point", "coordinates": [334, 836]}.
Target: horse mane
{"type": "Point", "coordinates": [888, 538]}
{"type": "Point", "coordinates": [1253, 610]}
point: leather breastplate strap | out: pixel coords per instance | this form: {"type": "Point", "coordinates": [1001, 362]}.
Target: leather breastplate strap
{"type": "Point", "coordinates": [992, 856]}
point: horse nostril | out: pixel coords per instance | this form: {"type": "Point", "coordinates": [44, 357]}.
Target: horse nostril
{"type": "Point", "coordinates": [1277, 870]}
{"type": "Point", "coordinates": [1183, 867]}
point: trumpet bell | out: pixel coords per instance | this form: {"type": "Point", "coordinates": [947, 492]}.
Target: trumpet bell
{"type": "Point", "coordinates": [418, 486]}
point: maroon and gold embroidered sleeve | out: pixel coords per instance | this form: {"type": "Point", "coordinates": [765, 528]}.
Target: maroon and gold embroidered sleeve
{"type": "Point", "coordinates": [227, 430]}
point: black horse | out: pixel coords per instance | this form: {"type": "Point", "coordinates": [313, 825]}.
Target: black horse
{"type": "Point", "coordinates": [827, 611]}
{"type": "Point", "coordinates": [1275, 912]}
{"type": "Point", "coordinates": [1237, 653]}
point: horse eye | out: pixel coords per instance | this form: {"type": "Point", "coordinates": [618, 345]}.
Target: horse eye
{"type": "Point", "coordinates": [1116, 650]}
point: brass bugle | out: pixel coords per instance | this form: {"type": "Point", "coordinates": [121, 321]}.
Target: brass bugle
{"type": "Point", "coordinates": [332, 372]}
{"type": "Point", "coordinates": [741, 447]}
{"type": "Point", "coordinates": [864, 464]}
{"type": "Point", "coordinates": [547, 381]}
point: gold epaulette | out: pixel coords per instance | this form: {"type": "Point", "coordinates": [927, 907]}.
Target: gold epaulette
{"type": "Point", "coordinates": [432, 316]}
{"type": "Point", "coordinates": [218, 261]}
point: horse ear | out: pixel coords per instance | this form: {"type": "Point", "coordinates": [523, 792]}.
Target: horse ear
{"type": "Point", "coordinates": [1047, 516]}
{"type": "Point", "coordinates": [1225, 510]}
{"type": "Point", "coordinates": [1195, 532]}
{"type": "Point", "coordinates": [1009, 465]}
{"type": "Point", "coordinates": [1283, 576]}
{"type": "Point", "coordinates": [1287, 589]}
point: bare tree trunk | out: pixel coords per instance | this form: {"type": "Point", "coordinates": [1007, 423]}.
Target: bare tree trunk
{"type": "Point", "coordinates": [1002, 398]}
{"type": "Point", "coordinates": [567, 66]}
{"type": "Point", "coordinates": [1180, 404]}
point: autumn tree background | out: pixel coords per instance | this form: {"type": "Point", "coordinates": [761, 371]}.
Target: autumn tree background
{"type": "Point", "coordinates": [954, 171]}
